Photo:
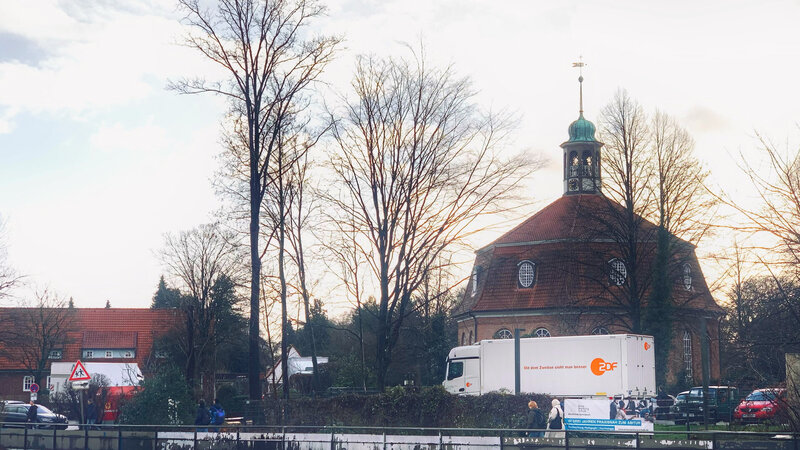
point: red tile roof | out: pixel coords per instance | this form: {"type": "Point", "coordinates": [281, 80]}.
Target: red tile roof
{"type": "Point", "coordinates": [565, 241]}
{"type": "Point", "coordinates": [99, 328]}
{"type": "Point", "coordinates": [110, 339]}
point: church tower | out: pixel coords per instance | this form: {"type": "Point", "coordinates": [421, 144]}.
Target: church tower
{"type": "Point", "coordinates": [581, 156]}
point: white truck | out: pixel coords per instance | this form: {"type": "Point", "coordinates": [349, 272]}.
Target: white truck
{"type": "Point", "coordinates": [574, 366]}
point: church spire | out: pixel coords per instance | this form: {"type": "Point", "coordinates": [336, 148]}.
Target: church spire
{"type": "Point", "coordinates": [581, 151]}
{"type": "Point", "coordinates": [580, 65]}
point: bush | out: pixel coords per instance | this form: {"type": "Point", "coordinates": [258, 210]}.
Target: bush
{"type": "Point", "coordinates": [163, 399]}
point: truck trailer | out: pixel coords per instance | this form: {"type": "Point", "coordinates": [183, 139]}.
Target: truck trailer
{"type": "Point", "coordinates": [575, 366]}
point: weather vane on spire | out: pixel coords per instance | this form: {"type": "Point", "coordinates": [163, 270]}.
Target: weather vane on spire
{"type": "Point", "coordinates": [580, 64]}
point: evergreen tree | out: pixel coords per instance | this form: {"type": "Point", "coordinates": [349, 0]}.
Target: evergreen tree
{"type": "Point", "coordinates": [165, 297]}
{"type": "Point", "coordinates": [71, 303]}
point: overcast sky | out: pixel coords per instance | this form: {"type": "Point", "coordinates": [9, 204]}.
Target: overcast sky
{"type": "Point", "coordinates": [98, 159]}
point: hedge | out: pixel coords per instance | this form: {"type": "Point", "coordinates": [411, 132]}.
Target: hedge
{"type": "Point", "coordinates": [431, 407]}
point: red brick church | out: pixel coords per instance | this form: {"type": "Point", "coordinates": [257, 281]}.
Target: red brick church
{"type": "Point", "coordinates": [560, 273]}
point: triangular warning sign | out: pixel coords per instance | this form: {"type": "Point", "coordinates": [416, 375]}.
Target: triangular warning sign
{"type": "Point", "coordinates": [79, 373]}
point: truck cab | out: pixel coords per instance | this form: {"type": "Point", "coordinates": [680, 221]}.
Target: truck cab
{"type": "Point", "coordinates": [463, 371]}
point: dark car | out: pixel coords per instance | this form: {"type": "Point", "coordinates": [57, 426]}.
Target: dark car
{"type": "Point", "coordinates": [721, 403]}
{"type": "Point", "coordinates": [762, 405]}
{"type": "Point", "coordinates": [17, 412]}
{"type": "Point", "coordinates": [679, 409]}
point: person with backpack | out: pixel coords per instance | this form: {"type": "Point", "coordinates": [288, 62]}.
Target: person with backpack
{"type": "Point", "coordinates": [217, 414]}
{"type": "Point", "coordinates": [555, 421]}
{"type": "Point", "coordinates": [535, 420]}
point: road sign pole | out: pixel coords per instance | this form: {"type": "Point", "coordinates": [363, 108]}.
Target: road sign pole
{"type": "Point", "coordinates": [82, 418]}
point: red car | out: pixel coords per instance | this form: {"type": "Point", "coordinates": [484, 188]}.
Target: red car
{"type": "Point", "coordinates": [761, 405]}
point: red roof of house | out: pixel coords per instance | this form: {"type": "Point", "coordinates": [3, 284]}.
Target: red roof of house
{"type": "Point", "coordinates": [565, 241]}
{"type": "Point", "coordinates": [95, 329]}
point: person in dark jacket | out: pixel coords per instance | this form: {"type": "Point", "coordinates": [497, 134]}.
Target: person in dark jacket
{"type": "Point", "coordinates": [535, 420]}
{"type": "Point", "coordinates": [612, 413]}
{"type": "Point", "coordinates": [203, 416]}
{"type": "Point", "coordinates": [33, 413]}
{"type": "Point", "coordinates": [91, 412]}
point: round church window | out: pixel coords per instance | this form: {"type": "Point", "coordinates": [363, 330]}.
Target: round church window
{"type": "Point", "coordinates": [618, 273]}
{"type": "Point", "coordinates": [526, 274]}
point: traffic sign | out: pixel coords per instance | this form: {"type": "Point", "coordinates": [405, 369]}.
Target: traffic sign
{"type": "Point", "coordinates": [34, 388]}
{"type": "Point", "coordinates": [33, 396]}
{"type": "Point", "coordinates": [79, 373]}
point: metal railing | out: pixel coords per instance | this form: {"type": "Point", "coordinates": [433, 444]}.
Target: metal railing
{"type": "Point", "coordinates": [156, 437]}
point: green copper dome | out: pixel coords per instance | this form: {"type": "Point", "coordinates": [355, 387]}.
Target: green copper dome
{"type": "Point", "coordinates": [581, 130]}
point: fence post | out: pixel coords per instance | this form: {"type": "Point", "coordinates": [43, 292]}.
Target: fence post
{"type": "Point", "coordinates": [566, 439]}
{"type": "Point", "coordinates": [333, 438]}
{"type": "Point", "coordinates": [283, 437]}
{"type": "Point", "coordinates": [55, 429]}
{"type": "Point", "coordinates": [384, 439]}
{"type": "Point", "coordinates": [119, 437]}
{"type": "Point", "coordinates": [195, 439]}
{"type": "Point", "coordinates": [500, 435]}
{"type": "Point", "coordinates": [441, 445]}
{"type": "Point", "coordinates": [238, 438]}
{"type": "Point", "coordinates": [713, 440]}
{"type": "Point", "coordinates": [155, 439]}
{"type": "Point", "coordinates": [25, 443]}
{"type": "Point", "coordinates": [85, 437]}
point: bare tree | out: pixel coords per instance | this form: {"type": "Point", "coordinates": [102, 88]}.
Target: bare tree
{"type": "Point", "coordinates": [416, 165]}
{"type": "Point", "coordinates": [265, 47]}
{"type": "Point", "coordinates": [29, 334]}
{"type": "Point", "coordinates": [657, 208]}
{"type": "Point", "coordinates": [8, 276]}
{"type": "Point", "coordinates": [199, 261]}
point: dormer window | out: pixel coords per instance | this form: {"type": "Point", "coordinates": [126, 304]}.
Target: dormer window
{"type": "Point", "coordinates": [618, 273]}
{"type": "Point", "coordinates": [687, 277]}
{"type": "Point", "coordinates": [526, 274]}
{"type": "Point", "coordinates": [474, 282]}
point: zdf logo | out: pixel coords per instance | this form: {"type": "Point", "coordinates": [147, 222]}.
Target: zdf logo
{"type": "Point", "coordinates": [600, 367]}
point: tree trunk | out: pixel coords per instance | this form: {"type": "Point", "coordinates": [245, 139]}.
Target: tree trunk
{"type": "Point", "coordinates": [254, 353]}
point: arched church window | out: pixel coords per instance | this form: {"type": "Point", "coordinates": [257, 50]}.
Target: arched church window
{"type": "Point", "coordinates": [463, 338]}
{"type": "Point", "coordinates": [618, 273]}
{"type": "Point", "coordinates": [526, 274]}
{"type": "Point", "coordinates": [687, 354]}
{"type": "Point", "coordinates": [600, 330]}
{"type": "Point", "coordinates": [687, 277]}
{"type": "Point", "coordinates": [587, 163]}
{"type": "Point", "coordinates": [541, 332]}
{"type": "Point", "coordinates": [471, 340]}
{"type": "Point", "coordinates": [503, 333]}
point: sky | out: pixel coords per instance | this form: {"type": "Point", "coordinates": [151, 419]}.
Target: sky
{"type": "Point", "coordinates": [98, 159]}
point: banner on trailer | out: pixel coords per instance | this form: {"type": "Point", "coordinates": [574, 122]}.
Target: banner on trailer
{"type": "Point", "coordinates": [594, 414]}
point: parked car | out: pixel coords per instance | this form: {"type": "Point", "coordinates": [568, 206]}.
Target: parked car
{"type": "Point", "coordinates": [678, 411]}
{"type": "Point", "coordinates": [721, 403]}
{"type": "Point", "coordinates": [761, 405]}
{"type": "Point", "coordinates": [17, 412]}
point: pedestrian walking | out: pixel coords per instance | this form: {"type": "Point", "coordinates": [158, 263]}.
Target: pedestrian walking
{"type": "Point", "coordinates": [33, 413]}
{"type": "Point", "coordinates": [535, 420]}
{"type": "Point", "coordinates": [555, 421]}
{"type": "Point", "coordinates": [203, 417]}
{"type": "Point", "coordinates": [91, 412]}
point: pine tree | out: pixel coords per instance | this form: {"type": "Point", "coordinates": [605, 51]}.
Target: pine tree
{"type": "Point", "coordinates": [165, 297]}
